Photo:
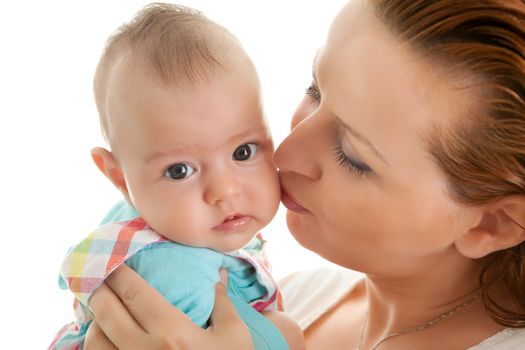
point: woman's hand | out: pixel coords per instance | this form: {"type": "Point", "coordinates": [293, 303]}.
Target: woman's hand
{"type": "Point", "coordinates": [96, 339]}
{"type": "Point", "coordinates": [130, 314]}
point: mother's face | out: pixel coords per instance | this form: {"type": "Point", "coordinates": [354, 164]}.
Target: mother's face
{"type": "Point", "coordinates": [361, 189]}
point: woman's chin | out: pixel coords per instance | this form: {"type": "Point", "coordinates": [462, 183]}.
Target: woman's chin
{"type": "Point", "coordinates": [300, 230]}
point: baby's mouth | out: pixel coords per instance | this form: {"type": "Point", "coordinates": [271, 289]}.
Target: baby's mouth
{"type": "Point", "coordinates": [233, 222]}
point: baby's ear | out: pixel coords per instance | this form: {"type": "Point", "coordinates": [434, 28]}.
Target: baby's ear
{"type": "Point", "coordinates": [108, 165]}
{"type": "Point", "coordinates": [501, 226]}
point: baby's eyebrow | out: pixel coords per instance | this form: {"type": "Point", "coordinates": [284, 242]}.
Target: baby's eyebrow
{"type": "Point", "coordinates": [187, 149]}
{"type": "Point", "coordinates": [248, 132]}
{"type": "Point", "coordinates": [168, 152]}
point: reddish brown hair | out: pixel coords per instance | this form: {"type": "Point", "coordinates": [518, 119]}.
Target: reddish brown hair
{"type": "Point", "coordinates": [483, 154]}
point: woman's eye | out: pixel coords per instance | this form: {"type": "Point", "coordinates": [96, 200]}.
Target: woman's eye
{"type": "Point", "coordinates": [353, 165]}
{"type": "Point", "coordinates": [313, 92]}
{"type": "Point", "coordinates": [245, 152]}
{"type": "Point", "coordinates": [179, 171]}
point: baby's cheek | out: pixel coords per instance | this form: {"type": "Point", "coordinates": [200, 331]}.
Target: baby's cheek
{"type": "Point", "coordinates": [268, 195]}
{"type": "Point", "coordinates": [182, 221]}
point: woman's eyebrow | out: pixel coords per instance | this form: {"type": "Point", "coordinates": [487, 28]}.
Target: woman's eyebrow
{"type": "Point", "coordinates": [314, 64]}
{"type": "Point", "coordinates": [361, 138]}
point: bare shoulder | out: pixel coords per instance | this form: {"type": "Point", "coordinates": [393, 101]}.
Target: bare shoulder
{"type": "Point", "coordinates": [290, 330]}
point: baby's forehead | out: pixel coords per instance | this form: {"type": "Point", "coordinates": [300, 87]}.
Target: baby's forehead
{"type": "Point", "coordinates": [137, 98]}
{"type": "Point", "coordinates": [131, 79]}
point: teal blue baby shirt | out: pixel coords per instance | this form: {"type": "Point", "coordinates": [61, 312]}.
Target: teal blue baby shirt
{"type": "Point", "coordinates": [186, 277]}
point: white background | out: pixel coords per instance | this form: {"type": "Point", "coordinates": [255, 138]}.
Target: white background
{"type": "Point", "coordinates": [51, 194]}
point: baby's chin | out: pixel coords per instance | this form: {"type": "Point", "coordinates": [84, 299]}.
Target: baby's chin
{"type": "Point", "coordinates": [223, 242]}
{"type": "Point", "coordinates": [230, 244]}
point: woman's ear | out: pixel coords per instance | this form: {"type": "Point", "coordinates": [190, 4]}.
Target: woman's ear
{"type": "Point", "coordinates": [108, 165]}
{"type": "Point", "coordinates": [502, 226]}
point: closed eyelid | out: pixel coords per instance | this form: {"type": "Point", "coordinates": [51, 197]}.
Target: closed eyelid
{"type": "Point", "coordinates": [362, 139]}
{"type": "Point", "coordinates": [358, 136]}
{"type": "Point", "coordinates": [346, 160]}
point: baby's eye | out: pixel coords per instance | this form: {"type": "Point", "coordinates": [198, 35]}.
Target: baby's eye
{"type": "Point", "coordinates": [245, 152]}
{"type": "Point", "coordinates": [179, 171]}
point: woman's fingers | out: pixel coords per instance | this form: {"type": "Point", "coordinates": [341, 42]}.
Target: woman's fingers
{"type": "Point", "coordinates": [96, 339]}
{"type": "Point", "coordinates": [114, 319]}
{"type": "Point", "coordinates": [144, 303]}
{"type": "Point", "coordinates": [229, 331]}
{"type": "Point", "coordinates": [223, 311]}
{"type": "Point", "coordinates": [133, 315]}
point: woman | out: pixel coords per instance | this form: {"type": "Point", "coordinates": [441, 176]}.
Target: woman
{"type": "Point", "coordinates": [406, 162]}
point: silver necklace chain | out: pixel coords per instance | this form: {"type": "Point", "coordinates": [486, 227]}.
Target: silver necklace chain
{"type": "Point", "coordinates": [419, 328]}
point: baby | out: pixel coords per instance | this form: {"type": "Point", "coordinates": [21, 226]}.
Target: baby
{"type": "Point", "coordinates": [180, 106]}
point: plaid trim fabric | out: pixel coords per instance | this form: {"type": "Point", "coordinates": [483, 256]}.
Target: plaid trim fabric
{"type": "Point", "coordinates": [92, 260]}
{"type": "Point", "coordinates": [254, 253]}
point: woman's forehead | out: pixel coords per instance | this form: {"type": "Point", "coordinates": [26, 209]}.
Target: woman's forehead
{"type": "Point", "coordinates": [354, 16]}
{"type": "Point", "coordinates": [379, 86]}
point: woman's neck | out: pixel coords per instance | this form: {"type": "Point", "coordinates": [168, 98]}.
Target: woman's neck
{"type": "Point", "coordinates": [439, 292]}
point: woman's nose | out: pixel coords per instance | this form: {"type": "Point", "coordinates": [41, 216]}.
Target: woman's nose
{"type": "Point", "coordinates": [299, 152]}
{"type": "Point", "coordinates": [221, 186]}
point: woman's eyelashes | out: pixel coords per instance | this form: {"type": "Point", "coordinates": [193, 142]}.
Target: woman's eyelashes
{"type": "Point", "coordinates": [354, 165]}
{"type": "Point", "coordinates": [313, 92]}
{"type": "Point", "coordinates": [345, 161]}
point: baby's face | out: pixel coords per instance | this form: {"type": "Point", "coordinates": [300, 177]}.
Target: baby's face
{"type": "Point", "coordinates": [197, 160]}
